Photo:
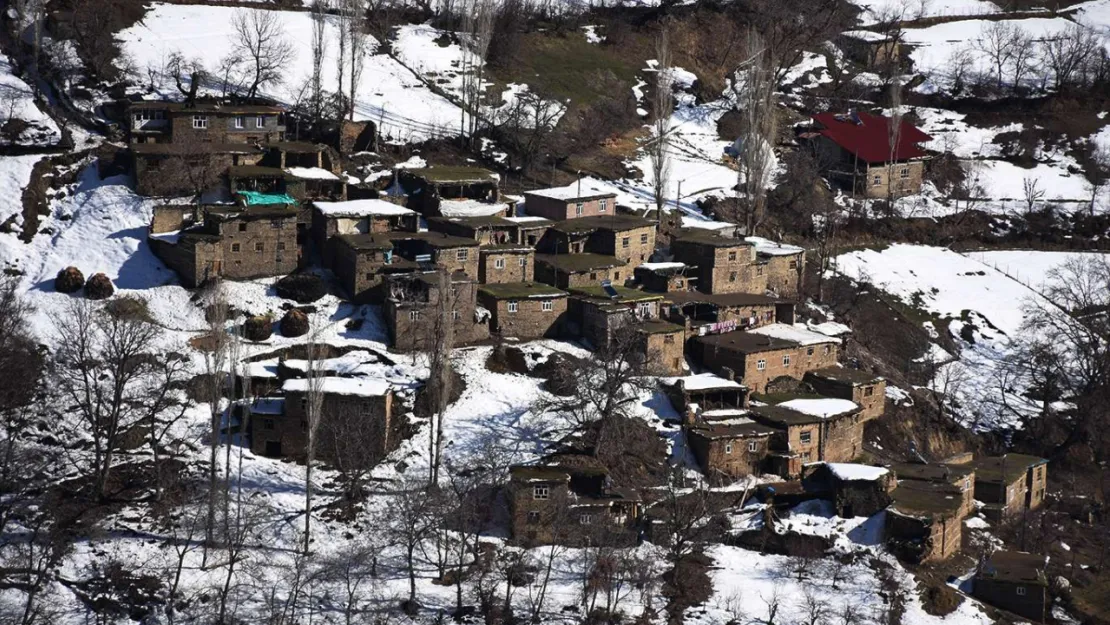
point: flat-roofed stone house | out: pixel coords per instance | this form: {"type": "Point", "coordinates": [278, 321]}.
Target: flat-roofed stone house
{"type": "Point", "coordinates": [866, 389]}
{"type": "Point", "coordinates": [924, 521]}
{"type": "Point", "coordinates": [629, 238]}
{"type": "Point", "coordinates": [567, 271]}
{"type": "Point", "coordinates": [412, 304]}
{"type": "Point", "coordinates": [1015, 581]}
{"type": "Point", "coordinates": [524, 310]}
{"type": "Point", "coordinates": [757, 357]}
{"type": "Point", "coordinates": [584, 198]}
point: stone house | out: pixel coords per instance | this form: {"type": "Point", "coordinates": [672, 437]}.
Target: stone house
{"type": "Point", "coordinates": [663, 346]}
{"type": "Point", "coordinates": [629, 238]}
{"type": "Point", "coordinates": [707, 313]}
{"type": "Point", "coordinates": [871, 49]}
{"type": "Point", "coordinates": [412, 304]}
{"type": "Point", "coordinates": [757, 357]}
{"type": "Point", "coordinates": [695, 395]}
{"type": "Point", "coordinates": [813, 430]}
{"type": "Point", "coordinates": [866, 389]}
{"type": "Point", "coordinates": [234, 242]}
{"type": "Point", "coordinates": [731, 448]}
{"type": "Point", "coordinates": [513, 262]}
{"type": "Point", "coordinates": [362, 262]}
{"type": "Point", "coordinates": [856, 152]}
{"type": "Point", "coordinates": [487, 230]}
{"type": "Point", "coordinates": [455, 254]}
{"type": "Point", "coordinates": [597, 312]}
{"type": "Point", "coordinates": [525, 310]}
{"type": "Point", "coordinates": [721, 264]}
{"type": "Point", "coordinates": [205, 120]}
{"type": "Point", "coordinates": [667, 277]}
{"type": "Point", "coordinates": [570, 505]}
{"type": "Point", "coordinates": [428, 187]}
{"type": "Point", "coordinates": [286, 434]}
{"type": "Point", "coordinates": [783, 265]}
{"type": "Point", "coordinates": [330, 219]}
{"type": "Point", "coordinates": [529, 229]}
{"type": "Point", "coordinates": [960, 478]}
{"type": "Point", "coordinates": [584, 198]}
{"type": "Point", "coordinates": [854, 489]}
{"type": "Point", "coordinates": [924, 521]}
{"type": "Point", "coordinates": [568, 271]}
{"type": "Point", "coordinates": [162, 169]}
{"type": "Point", "coordinates": [1009, 484]}
{"type": "Point", "coordinates": [1015, 581]}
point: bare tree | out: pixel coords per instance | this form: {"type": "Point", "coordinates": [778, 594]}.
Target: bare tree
{"type": "Point", "coordinates": [1032, 194]}
{"type": "Point", "coordinates": [754, 95]}
{"type": "Point", "coordinates": [662, 109]}
{"type": "Point", "coordinates": [259, 38]}
{"type": "Point", "coordinates": [1067, 54]}
{"type": "Point", "coordinates": [216, 368]}
{"type": "Point", "coordinates": [319, 51]}
{"type": "Point", "coordinates": [357, 23]}
{"type": "Point", "coordinates": [894, 138]}
{"type": "Point", "coordinates": [442, 329]}
{"type": "Point", "coordinates": [314, 395]}
{"type": "Point", "coordinates": [187, 74]}
{"type": "Point", "coordinates": [412, 520]}
{"type": "Point", "coordinates": [526, 123]}
{"type": "Point", "coordinates": [999, 41]}
{"type": "Point", "coordinates": [477, 32]}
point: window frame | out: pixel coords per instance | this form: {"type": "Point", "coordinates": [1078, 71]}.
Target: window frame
{"type": "Point", "coordinates": [805, 437]}
{"type": "Point", "coordinates": [260, 121]}
{"type": "Point", "coordinates": [200, 122]}
{"type": "Point", "coordinates": [761, 365]}
{"type": "Point", "coordinates": [499, 263]}
{"type": "Point", "coordinates": [547, 305]}
{"type": "Point", "coordinates": [512, 306]}
{"type": "Point", "coordinates": [240, 123]}
{"type": "Point", "coordinates": [541, 492]}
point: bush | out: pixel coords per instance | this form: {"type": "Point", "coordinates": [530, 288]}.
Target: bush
{"type": "Point", "coordinates": [294, 323]}
{"type": "Point", "coordinates": [99, 287]}
{"type": "Point", "coordinates": [69, 280]}
{"type": "Point", "coordinates": [259, 328]}
{"type": "Point", "coordinates": [303, 288]}
{"type": "Point", "coordinates": [129, 307]}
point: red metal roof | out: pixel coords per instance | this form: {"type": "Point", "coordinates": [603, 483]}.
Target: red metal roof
{"type": "Point", "coordinates": [870, 139]}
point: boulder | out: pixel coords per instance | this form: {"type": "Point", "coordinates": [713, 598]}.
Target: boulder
{"type": "Point", "coordinates": [294, 323]}
{"type": "Point", "coordinates": [258, 328]}
{"type": "Point", "coordinates": [99, 286]}
{"type": "Point", "coordinates": [69, 280]}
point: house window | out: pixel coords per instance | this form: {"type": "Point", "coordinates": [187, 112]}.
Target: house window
{"type": "Point", "coordinates": [643, 309]}
{"type": "Point", "coordinates": [809, 351]}
{"type": "Point", "coordinates": [806, 456]}
{"type": "Point", "coordinates": [242, 227]}
{"type": "Point", "coordinates": [904, 173]}
{"type": "Point", "coordinates": [786, 360]}
{"type": "Point", "coordinates": [276, 224]}
{"type": "Point", "coordinates": [643, 239]}
{"type": "Point", "coordinates": [668, 339]}
{"type": "Point", "coordinates": [593, 275]}
{"type": "Point", "coordinates": [239, 123]}
{"type": "Point", "coordinates": [826, 350]}
{"type": "Point", "coordinates": [462, 254]}
{"type": "Point", "coordinates": [585, 519]}
{"type": "Point", "coordinates": [260, 122]}
{"type": "Point", "coordinates": [234, 247]}
{"type": "Point", "coordinates": [512, 306]}
{"type": "Point", "coordinates": [548, 306]}
{"type": "Point", "coordinates": [523, 262]}
{"type": "Point", "coordinates": [603, 205]}
{"type": "Point", "coordinates": [1020, 591]}
{"type": "Point", "coordinates": [732, 277]}
{"type": "Point", "coordinates": [541, 491]}
{"type": "Point", "coordinates": [728, 447]}
{"type": "Point", "coordinates": [806, 437]}
{"type": "Point", "coordinates": [625, 241]}
{"type": "Point", "coordinates": [499, 263]}
{"type": "Point", "coordinates": [281, 246]}
{"type": "Point", "coordinates": [761, 364]}
{"type": "Point", "coordinates": [533, 517]}
{"type": "Point", "coordinates": [455, 315]}
{"type": "Point", "coordinates": [753, 446]}
{"type": "Point", "coordinates": [793, 264]}
{"type": "Point", "coordinates": [200, 122]}
{"type": "Point", "coordinates": [414, 315]}
{"type": "Point", "coordinates": [578, 209]}
{"type": "Point", "coordinates": [259, 246]}
{"type": "Point", "coordinates": [268, 424]}
{"type": "Point", "coordinates": [759, 271]}
{"type": "Point", "coordinates": [616, 275]}
{"type": "Point", "coordinates": [868, 391]}
{"type": "Point", "coordinates": [877, 180]}
{"type": "Point", "coordinates": [732, 255]}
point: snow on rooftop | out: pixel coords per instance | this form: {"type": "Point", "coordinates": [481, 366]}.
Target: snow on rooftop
{"type": "Point", "coordinates": [261, 369]}
{"type": "Point", "coordinates": [268, 406]}
{"type": "Point", "coordinates": [471, 208]}
{"type": "Point", "coordinates": [851, 472]}
{"type": "Point", "coordinates": [773, 248]}
{"type": "Point", "coordinates": [830, 328]}
{"type": "Point", "coordinates": [662, 266]}
{"type": "Point", "coordinates": [584, 187]}
{"type": "Point", "coordinates": [362, 387]}
{"type": "Point", "coordinates": [797, 333]}
{"type": "Point", "coordinates": [822, 407]}
{"type": "Point", "coordinates": [527, 219]}
{"type": "Point", "coordinates": [865, 35]}
{"type": "Point", "coordinates": [704, 381]}
{"type": "Point", "coordinates": [311, 173]}
{"type": "Point", "coordinates": [361, 208]}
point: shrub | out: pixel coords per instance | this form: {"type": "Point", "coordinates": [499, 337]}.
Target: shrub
{"type": "Point", "coordinates": [294, 323]}
{"type": "Point", "coordinates": [69, 280]}
{"type": "Point", "coordinates": [258, 328]}
{"type": "Point", "coordinates": [99, 287]}
{"type": "Point", "coordinates": [303, 288]}
{"type": "Point", "coordinates": [129, 307]}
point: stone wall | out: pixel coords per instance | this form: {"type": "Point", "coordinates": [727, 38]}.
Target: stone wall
{"type": "Point", "coordinates": [907, 178]}
{"type": "Point", "coordinates": [411, 324]}
{"type": "Point", "coordinates": [530, 321]}
{"type": "Point", "coordinates": [254, 248]}
{"type": "Point", "coordinates": [290, 429]}
{"type": "Point", "coordinates": [665, 352]}
{"type": "Point", "coordinates": [558, 210]}
{"type": "Point", "coordinates": [358, 272]}
{"type": "Point", "coordinates": [783, 274]}
{"type": "Point", "coordinates": [730, 458]}
{"type": "Point", "coordinates": [755, 376]}
{"type": "Point", "coordinates": [464, 259]}
{"type": "Point", "coordinates": [516, 266]}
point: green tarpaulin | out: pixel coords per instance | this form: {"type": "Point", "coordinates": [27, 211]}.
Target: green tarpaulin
{"type": "Point", "coordinates": [254, 198]}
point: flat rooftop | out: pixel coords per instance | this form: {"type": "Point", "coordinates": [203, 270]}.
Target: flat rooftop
{"type": "Point", "coordinates": [1005, 468]}
{"type": "Point", "coordinates": [722, 299]}
{"type": "Point", "coordinates": [521, 290]}
{"type": "Point", "coordinates": [612, 222]}
{"type": "Point", "coordinates": [926, 499]}
{"type": "Point", "coordinates": [745, 342]}
{"type": "Point", "coordinates": [845, 375]}
{"type": "Point", "coordinates": [1017, 567]}
{"type": "Point", "coordinates": [577, 263]}
{"type": "Point", "coordinates": [447, 174]}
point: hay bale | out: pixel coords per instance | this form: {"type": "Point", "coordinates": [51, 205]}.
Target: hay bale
{"type": "Point", "coordinates": [99, 287]}
{"type": "Point", "coordinates": [259, 328]}
{"type": "Point", "coordinates": [303, 288]}
{"type": "Point", "coordinates": [294, 323]}
{"type": "Point", "coordinates": [69, 280]}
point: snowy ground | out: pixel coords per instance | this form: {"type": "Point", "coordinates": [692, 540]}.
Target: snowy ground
{"type": "Point", "coordinates": [987, 289]}
{"type": "Point", "coordinates": [874, 10]}
{"type": "Point", "coordinates": [389, 93]}
{"type": "Point", "coordinates": [17, 102]}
